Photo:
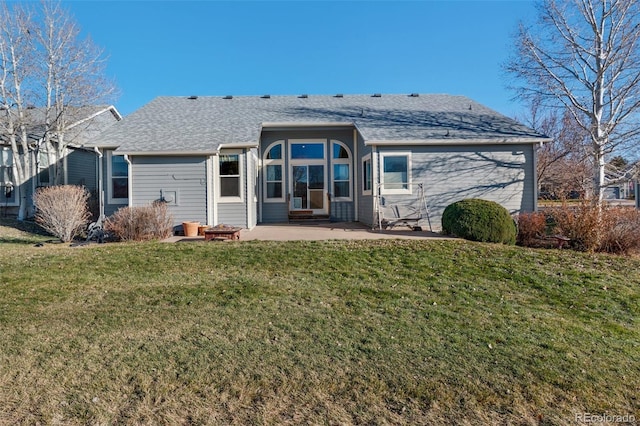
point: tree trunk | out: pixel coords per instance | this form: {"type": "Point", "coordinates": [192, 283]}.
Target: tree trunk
{"type": "Point", "coordinates": [598, 175]}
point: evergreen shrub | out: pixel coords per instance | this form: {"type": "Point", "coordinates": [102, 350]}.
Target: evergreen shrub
{"type": "Point", "coordinates": [479, 220]}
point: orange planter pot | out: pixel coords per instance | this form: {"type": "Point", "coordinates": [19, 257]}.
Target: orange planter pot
{"type": "Point", "coordinates": [190, 229]}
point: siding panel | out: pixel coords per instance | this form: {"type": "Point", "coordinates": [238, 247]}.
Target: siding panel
{"type": "Point", "coordinates": [155, 177]}
{"type": "Point", "coordinates": [503, 174]}
{"type": "Point", "coordinates": [81, 169]}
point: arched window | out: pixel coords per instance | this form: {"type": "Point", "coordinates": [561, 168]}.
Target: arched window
{"type": "Point", "coordinates": [273, 172]}
{"type": "Point", "coordinates": [341, 176]}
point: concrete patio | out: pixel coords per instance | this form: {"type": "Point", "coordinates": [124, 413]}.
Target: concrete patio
{"type": "Point", "coordinates": [322, 231]}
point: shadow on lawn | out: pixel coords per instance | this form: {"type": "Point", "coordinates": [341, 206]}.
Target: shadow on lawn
{"type": "Point", "coordinates": [14, 231]}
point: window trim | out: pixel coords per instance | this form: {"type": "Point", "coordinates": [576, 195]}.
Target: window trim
{"type": "Point", "coordinates": [110, 177]}
{"type": "Point", "coordinates": [274, 162]}
{"type": "Point", "coordinates": [234, 198]}
{"type": "Point", "coordinates": [384, 155]}
{"type": "Point", "coordinates": [365, 191]}
{"type": "Point", "coordinates": [16, 188]}
{"type": "Point", "coordinates": [43, 153]}
{"type": "Point", "coordinates": [347, 161]}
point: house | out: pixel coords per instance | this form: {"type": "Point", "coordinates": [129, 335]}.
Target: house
{"type": "Point", "coordinates": [76, 167]}
{"type": "Point", "coordinates": [620, 182]}
{"type": "Point", "coordinates": [260, 159]}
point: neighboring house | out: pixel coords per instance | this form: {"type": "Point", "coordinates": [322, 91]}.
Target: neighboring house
{"type": "Point", "coordinates": [78, 165]}
{"type": "Point", "coordinates": [620, 183]}
{"type": "Point", "coordinates": [248, 160]}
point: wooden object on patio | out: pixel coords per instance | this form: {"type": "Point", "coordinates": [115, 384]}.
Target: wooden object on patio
{"type": "Point", "coordinates": [222, 234]}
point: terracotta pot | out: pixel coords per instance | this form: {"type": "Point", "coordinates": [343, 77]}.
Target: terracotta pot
{"type": "Point", "coordinates": [190, 229]}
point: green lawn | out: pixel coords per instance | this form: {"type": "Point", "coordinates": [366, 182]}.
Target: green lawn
{"type": "Point", "coordinates": [372, 332]}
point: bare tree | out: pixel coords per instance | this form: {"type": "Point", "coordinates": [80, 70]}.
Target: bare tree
{"type": "Point", "coordinates": [16, 74]}
{"type": "Point", "coordinates": [45, 63]}
{"type": "Point", "coordinates": [72, 75]}
{"type": "Point", "coordinates": [585, 55]}
{"type": "Point", "coordinates": [563, 165]}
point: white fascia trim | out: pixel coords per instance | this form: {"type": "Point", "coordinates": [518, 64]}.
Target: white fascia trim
{"type": "Point", "coordinates": [110, 108]}
{"type": "Point", "coordinates": [238, 145]}
{"type": "Point", "coordinates": [452, 141]}
{"type": "Point", "coordinates": [175, 153]}
{"type": "Point", "coordinates": [308, 124]}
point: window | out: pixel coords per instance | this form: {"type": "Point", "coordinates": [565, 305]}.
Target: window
{"type": "Point", "coordinates": [341, 159]}
{"type": "Point", "coordinates": [396, 173]}
{"type": "Point", "coordinates": [274, 163]}
{"type": "Point", "coordinates": [7, 185]}
{"type": "Point", "coordinates": [118, 170]}
{"type": "Point", "coordinates": [307, 151]}
{"type": "Point", "coordinates": [43, 168]}
{"type": "Point", "coordinates": [230, 175]}
{"type": "Point", "coordinates": [367, 182]}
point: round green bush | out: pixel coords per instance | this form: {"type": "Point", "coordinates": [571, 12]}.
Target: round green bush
{"type": "Point", "coordinates": [479, 220]}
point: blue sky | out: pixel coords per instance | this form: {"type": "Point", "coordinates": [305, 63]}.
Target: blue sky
{"type": "Point", "coordinates": [158, 48]}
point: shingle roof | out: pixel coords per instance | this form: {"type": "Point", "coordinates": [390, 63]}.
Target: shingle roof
{"type": "Point", "coordinates": [183, 124]}
{"type": "Point", "coordinates": [81, 122]}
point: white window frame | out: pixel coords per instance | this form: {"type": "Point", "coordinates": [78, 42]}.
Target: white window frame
{"type": "Point", "coordinates": [346, 161]}
{"type": "Point", "coordinates": [110, 178]}
{"type": "Point", "coordinates": [230, 199]}
{"type": "Point", "coordinates": [308, 162]}
{"type": "Point", "coordinates": [271, 162]}
{"type": "Point", "coordinates": [43, 153]}
{"type": "Point", "coordinates": [16, 188]}
{"type": "Point", "coordinates": [383, 189]}
{"type": "Point", "coordinates": [367, 159]}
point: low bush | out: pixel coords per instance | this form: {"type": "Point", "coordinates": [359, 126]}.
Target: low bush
{"type": "Point", "coordinates": [62, 210]}
{"type": "Point", "coordinates": [620, 230]}
{"type": "Point", "coordinates": [578, 222]}
{"type": "Point", "coordinates": [143, 223]}
{"type": "Point", "coordinates": [531, 226]}
{"type": "Point", "coordinates": [598, 228]}
{"type": "Point", "coordinates": [479, 220]}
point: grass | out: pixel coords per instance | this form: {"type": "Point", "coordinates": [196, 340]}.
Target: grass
{"type": "Point", "coordinates": [367, 332]}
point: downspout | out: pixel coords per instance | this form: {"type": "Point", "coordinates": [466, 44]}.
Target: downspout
{"type": "Point", "coordinates": [535, 149]}
{"type": "Point", "coordinates": [356, 167]}
{"type": "Point", "coordinates": [375, 183]}
{"type": "Point", "coordinates": [100, 183]}
{"type": "Point", "coordinates": [65, 168]}
{"type": "Point", "coordinates": [130, 180]}
{"type": "Point", "coordinates": [215, 184]}
{"type": "Point", "coordinates": [247, 204]}
{"type": "Point", "coordinates": [259, 180]}
{"type": "Point", "coordinates": [210, 191]}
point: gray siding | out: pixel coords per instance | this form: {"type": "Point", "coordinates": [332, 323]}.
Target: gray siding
{"type": "Point", "coordinates": [234, 214]}
{"type": "Point", "coordinates": [500, 173]}
{"type": "Point", "coordinates": [182, 181]}
{"type": "Point", "coordinates": [365, 202]}
{"type": "Point", "coordinates": [342, 211]}
{"type": "Point", "coordinates": [82, 169]}
{"type": "Point", "coordinates": [275, 212]}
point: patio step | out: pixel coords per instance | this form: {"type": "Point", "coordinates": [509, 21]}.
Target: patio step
{"type": "Point", "coordinates": [308, 217]}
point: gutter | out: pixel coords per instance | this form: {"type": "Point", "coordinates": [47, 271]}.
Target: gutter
{"type": "Point", "coordinates": [454, 141]}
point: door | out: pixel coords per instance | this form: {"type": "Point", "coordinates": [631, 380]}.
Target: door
{"type": "Point", "coordinates": [308, 188]}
